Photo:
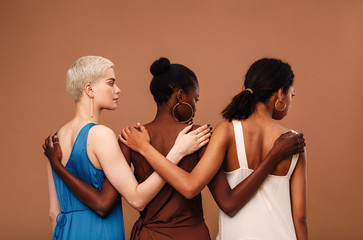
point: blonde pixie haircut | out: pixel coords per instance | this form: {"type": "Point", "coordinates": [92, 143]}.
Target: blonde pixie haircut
{"type": "Point", "coordinates": [87, 69]}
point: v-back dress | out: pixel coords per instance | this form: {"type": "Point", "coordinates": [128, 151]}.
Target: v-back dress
{"type": "Point", "coordinates": [169, 215]}
{"type": "Point", "coordinates": [267, 215]}
{"type": "Point", "coordinates": [76, 221]}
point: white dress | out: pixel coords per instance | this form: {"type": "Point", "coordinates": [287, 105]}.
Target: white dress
{"type": "Point", "coordinates": [267, 215]}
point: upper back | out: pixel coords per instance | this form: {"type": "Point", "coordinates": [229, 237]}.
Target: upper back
{"type": "Point", "coordinates": [258, 139]}
{"type": "Point", "coordinates": [162, 138]}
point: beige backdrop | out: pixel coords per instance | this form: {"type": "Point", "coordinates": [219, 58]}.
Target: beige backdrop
{"type": "Point", "coordinates": [322, 40]}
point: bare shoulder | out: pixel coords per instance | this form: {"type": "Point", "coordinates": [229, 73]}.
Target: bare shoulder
{"type": "Point", "coordinates": [224, 126]}
{"type": "Point", "coordinates": [101, 133]}
{"type": "Point", "coordinates": [223, 130]}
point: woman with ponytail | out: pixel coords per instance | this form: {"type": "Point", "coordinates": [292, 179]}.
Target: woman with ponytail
{"type": "Point", "coordinates": [268, 199]}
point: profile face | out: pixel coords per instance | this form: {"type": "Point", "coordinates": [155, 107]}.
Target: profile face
{"type": "Point", "coordinates": [106, 91]}
{"type": "Point", "coordinates": [184, 111]}
{"type": "Point", "coordinates": [286, 98]}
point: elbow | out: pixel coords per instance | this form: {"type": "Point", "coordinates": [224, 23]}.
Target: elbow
{"type": "Point", "coordinates": [228, 208]}
{"type": "Point", "coordinates": [104, 208]}
{"type": "Point", "coordinates": [53, 215]}
{"type": "Point", "coordinates": [301, 220]}
{"type": "Point", "coordinates": [190, 191]}
{"type": "Point", "coordinates": [138, 205]}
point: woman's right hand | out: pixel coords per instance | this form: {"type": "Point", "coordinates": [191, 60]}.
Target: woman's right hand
{"type": "Point", "coordinates": [188, 141]}
{"type": "Point", "coordinates": [52, 149]}
{"type": "Point", "coordinates": [288, 144]}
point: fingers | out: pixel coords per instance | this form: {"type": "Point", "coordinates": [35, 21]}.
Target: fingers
{"type": "Point", "coordinates": [142, 128]}
{"type": "Point", "coordinates": [55, 140]}
{"type": "Point", "coordinates": [122, 139]}
{"type": "Point", "coordinates": [123, 134]}
{"type": "Point", "coordinates": [186, 129]}
{"type": "Point", "coordinates": [203, 143]}
{"type": "Point", "coordinates": [204, 137]}
{"type": "Point", "coordinates": [204, 132]}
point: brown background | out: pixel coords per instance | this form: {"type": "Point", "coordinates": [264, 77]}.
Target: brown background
{"type": "Point", "coordinates": [322, 40]}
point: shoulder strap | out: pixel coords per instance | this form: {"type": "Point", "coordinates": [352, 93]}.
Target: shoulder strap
{"type": "Point", "coordinates": [293, 161]}
{"type": "Point", "coordinates": [240, 145]}
{"type": "Point", "coordinates": [293, 164]}
{"type": "Point", "coordinates": [83, 135]}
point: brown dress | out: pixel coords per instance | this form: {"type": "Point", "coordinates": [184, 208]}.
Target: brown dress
{"type": "Point", "coordinates": [169, 215]}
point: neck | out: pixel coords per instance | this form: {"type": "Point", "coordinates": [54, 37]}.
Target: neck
{"type": "Point", "coordinates": [263, 111]}
{"type": "Point", "coordinates": [164, 113]}
{"type": "Point", "coordinates": [83, 112]}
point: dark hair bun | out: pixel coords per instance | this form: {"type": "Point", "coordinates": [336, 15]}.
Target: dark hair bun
{"type": "Point", "coordinates": [160, 66]}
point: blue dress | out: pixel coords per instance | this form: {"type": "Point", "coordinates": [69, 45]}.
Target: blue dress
{"type": "Point", "coordinates": [76, 220]}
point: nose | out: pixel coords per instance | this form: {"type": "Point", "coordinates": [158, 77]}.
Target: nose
{"type": "Point", "coordinates": [117, 89]}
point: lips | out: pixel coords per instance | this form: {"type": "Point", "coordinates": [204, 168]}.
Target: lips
{"type": "Point", "coordinates": [115, 99]}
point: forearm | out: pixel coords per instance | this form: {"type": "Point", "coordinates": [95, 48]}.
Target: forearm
{"type": "Point", "coordinates": [148, 189]}
{"type": "Point", "coordinates": [179, 179]}
{"type": "Point", "coordinates": [301, 228]}
{"type": "Point", "coordinates": [229, 200]}
{"type": "Point", "coordinates": [102, 204]}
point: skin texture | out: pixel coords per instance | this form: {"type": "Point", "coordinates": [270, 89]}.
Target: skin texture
{"type": "Point", "coordinates": [262, 131]}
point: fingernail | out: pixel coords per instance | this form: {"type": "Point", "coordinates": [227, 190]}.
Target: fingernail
{"type": "Point", "coordinates": [190, 123]}
{"type": "Point", "coordinates": [210, 128]}
{"type": "Point", "coordinates": [208, 125]}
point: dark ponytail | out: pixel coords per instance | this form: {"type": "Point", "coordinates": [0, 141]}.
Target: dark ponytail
{"type": "Point", "coordinates": [241, 106]}
{"type": "Point", "coordinates": [263, 78]}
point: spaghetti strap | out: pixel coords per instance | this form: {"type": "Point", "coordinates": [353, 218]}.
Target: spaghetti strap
{"type": "Point", "coordinates": [293, 161]}
{"type": "Point", "coordinates": [240, 145]}
{"type": "Point", "coordinates": [292, 165]}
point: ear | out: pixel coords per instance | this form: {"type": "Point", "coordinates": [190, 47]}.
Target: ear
{"type": "Point", "coordinates": [279, 94]}
{"type": "Point", "coordinates": [88, 89]}
{"type": "Point", "coordinates": [179, 95]}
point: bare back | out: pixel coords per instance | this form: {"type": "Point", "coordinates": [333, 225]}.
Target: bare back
{"type": "Point", "coordinates": [67, 136]}
{"type": "Point", "coordinates": [259, 138]}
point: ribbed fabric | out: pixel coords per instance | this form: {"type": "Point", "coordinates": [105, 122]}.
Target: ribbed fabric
{"type": "Point", "coordinates": [76, 221]}
{"type": "Point", "coordinates": [267, 215]}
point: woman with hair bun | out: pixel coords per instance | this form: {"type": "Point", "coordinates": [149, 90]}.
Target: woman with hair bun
{"type": "Point", "coordinates": [268, 199]}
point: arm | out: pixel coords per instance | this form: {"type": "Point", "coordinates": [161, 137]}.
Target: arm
{"type": "Point", "coordinates": [54, 208]}
{"type": "Point", "coordinates": [119, 173]}
{"type": "Point", "coordinates": [229, 200]}
{"type": "Point", "coordinates": [188, 184]}
{"type": "Point", "coordinates": [298, 198]}
{"type": "Point", "coordinates": [101, 202]}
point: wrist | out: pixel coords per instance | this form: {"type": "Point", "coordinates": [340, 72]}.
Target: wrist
{"type": "Point", "coordinates": [55, 164]}
{"type": "Point", "coordinates": [275, 156]}
{"type": "Point", "coordinates": [174, 156]}
{"type": "Point", "coordinates": [144, 149]}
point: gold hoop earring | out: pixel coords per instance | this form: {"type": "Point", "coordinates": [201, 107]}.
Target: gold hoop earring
{"type": "Point", "coordinates": [191, 116]}
{"type": "Point", "coordinates": [91, 106]}
{"type": "Point", "coordinates": [280, 110]}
